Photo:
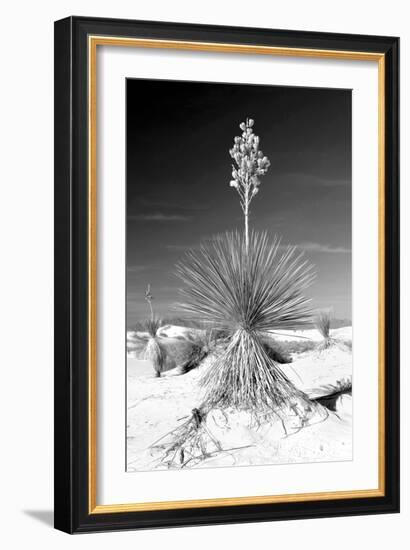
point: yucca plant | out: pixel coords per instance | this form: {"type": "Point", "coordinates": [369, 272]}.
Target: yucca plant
{"type": "Point", "coordinates": [166, 353]}
{"type": "Point", "coordinates": [245, 285]}
{"type": "Point", "coordinates": [153, 351]}
{"type": "Point", "coordinates": [323, 321]}
{"type": "Point", "coordinates": [246, 289]}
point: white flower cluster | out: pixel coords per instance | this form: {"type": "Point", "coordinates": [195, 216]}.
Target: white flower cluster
{"type": "Point", "coordinates": [250, 164]}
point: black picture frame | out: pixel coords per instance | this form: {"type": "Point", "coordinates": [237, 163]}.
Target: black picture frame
{"type": "Point", "coordinates": [71, 490]}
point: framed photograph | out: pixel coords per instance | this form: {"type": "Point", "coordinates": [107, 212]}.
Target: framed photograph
{"type": "Point", "coordinates": [226, 274]}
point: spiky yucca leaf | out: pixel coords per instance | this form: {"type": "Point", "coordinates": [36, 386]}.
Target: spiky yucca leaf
{"type": "Point", "coordinates": [259, 288]}
{"type": "Point", "coordinates": [245, 377]}
{"type": "Point", "coordinates": [152, 326]}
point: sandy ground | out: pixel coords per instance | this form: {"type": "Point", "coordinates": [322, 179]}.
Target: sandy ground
{"type": "Point", "coordinates": [343, 333]}
{"type": "Point", "coordinates": [157, 405]}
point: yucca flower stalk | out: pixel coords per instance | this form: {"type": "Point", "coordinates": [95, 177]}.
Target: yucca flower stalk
{"type": "Point", "coordinates": [250, 165]}
{"type": "Point", "coordinates": [148, 298]}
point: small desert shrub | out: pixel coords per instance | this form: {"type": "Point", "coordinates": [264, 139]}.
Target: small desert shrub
{"type": "Point", "coordinates": [166, 353]}
{"type": "Point", "coordinates": [332, 392]}
{"type": "Point", "coordinates": [139, 326]}
{"type": "Point", "coordinates": [203, 343]}
{"type": "Point", "coordinates": [277, 351]}
{"type": "Point", "coordinates": [182, 322]}
{"type": "Point", "coordinates": [221, 334]}
{"type": "Point", "coordinates": [298, 346]}
{"type": "Point", "coordinates": [148, 343]}
{"type": "Point", "coordinates": [323, 326]}
{"type": "Point", "coordinates": [154, 351]}
{"type": "Point", "coordinates": [180, 353]}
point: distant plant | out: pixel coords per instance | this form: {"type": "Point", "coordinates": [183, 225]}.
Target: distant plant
{"type": "Point", "coordinates": [203, 344]}
{"type": "Point", "coordinates": [148, 298]}
{"type": "Point", "coordinates": [154, 351]}
{"type": "Point", "coordinates": [298, 346]}
{"type": "Point", "coordinates": [182, 322]}
{"type": "Point", "coordinates": [277, 351]}
{"type": "Point", "coordinates": [323, 321]}
{"type": "Point", "coordinates": [186, 351]}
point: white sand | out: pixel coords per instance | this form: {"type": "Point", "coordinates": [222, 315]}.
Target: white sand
{"type": "Point", "coordinates": [157, 405]}
{"type": "Point", "coordinates": [343, 334]}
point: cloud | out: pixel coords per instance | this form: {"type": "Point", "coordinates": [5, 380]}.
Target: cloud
{"type": "Point", "coordinates": [318, 247]}
{"type": "Point", "coordinates": [159, 217]}
{"type": "Point", "coordinates": [184, 206]}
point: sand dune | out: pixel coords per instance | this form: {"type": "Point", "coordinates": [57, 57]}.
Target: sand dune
{"type": "Point", "coordinates": [157, 405]}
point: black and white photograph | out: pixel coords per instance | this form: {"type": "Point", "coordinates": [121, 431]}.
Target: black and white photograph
{"type": "Point", "coordinates": [205, 297]}
{"type": "Point", "coordinates": [238, 223]}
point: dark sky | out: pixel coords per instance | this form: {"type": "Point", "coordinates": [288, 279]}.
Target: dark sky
{"type": "Point", "coordinates": [178, 172]}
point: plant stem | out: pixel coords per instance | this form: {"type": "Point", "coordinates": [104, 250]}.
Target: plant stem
{"type": "Point", "coordinates": [246, 212]}
{"type": "Point", "coordinates": [246, 229]}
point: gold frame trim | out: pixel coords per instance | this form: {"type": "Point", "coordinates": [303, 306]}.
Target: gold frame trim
{"type": "Point", "coordinates": [93, 42]}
